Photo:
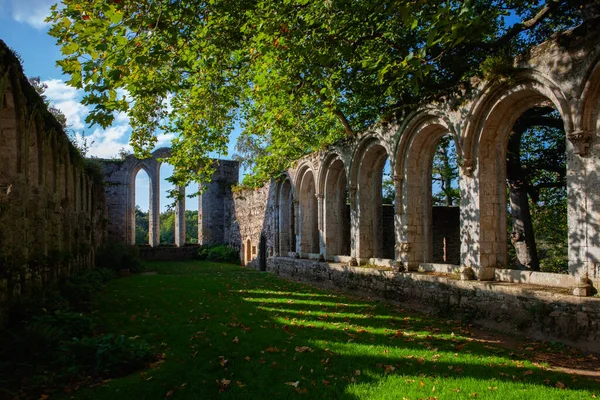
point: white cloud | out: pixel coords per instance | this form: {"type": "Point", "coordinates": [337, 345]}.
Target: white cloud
{"type": "Point", "coordinates": [66, 99]}
{"type": "Point", "coordinates": [107, 143]}
{"type": "Point", "coordinates": [31, 12]}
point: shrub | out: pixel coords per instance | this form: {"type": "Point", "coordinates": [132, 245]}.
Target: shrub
{"type": "Point", "coordinates": [117, 256]}
{"type": "Point", "coordinates": [106, 356]}
{"type": "Point", "coordinates": [79, 290]}
{"type": "Point", "coordinates": [219, 253]}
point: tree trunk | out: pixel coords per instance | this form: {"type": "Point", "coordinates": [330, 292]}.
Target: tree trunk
{"type": "Point", "coordinates": [522, 235]}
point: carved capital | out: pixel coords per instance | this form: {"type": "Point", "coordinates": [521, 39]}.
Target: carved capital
{"type": "Point", "coordinates": [580, 141]}
{"type": "Point", "coordinates": [319, 196]}
{"type": "Point", "coordinates": [398, 179]}
{"type": "Point", "coordinates": [405, 247]}
{"type": "Point", "coordinates": [468, 166]}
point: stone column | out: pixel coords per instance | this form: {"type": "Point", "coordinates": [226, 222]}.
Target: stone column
{"type": "Point", "coordinates": [154, 206]}
{"type": "Point", "coordinates": [180, 218]}
{"type": "Point", "coordinates": [398, 209]}
{"type": "Point", "coordinates": [277, 230]}
{"type": "Point", "coordinates": [320, 225]}
{"type": "Point", "coordinates": [296, 204]}
{"type": "Point", "coordinates": [354, 220]}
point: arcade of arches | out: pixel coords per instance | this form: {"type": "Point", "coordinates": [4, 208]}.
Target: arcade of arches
{"type": "Point", "coordinates": [328, 206]}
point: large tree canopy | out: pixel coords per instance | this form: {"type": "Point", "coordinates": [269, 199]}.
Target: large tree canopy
{"type": "Point", "coordinates": [296, 75]}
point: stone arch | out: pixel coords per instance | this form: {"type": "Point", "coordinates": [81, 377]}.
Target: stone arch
{"type": "Point", "coordinates": [416, 150]}
{"type": "Point", "coordinates": [333, 185]}
{"type": "Point", "coordinates": [365, 197]}
{"type": "Point", "coordinates": [307, 221]}
{"type": "Point", "coordinates": [131, 189]}
{"type": "Point", "coordinates": [483, 217]}
{"type": "Point", "coordinates": [285, 224]}
{"type": "Point", "coordinates": [33, 156]}
{"type": "Point", "coordinates": [589, 110]}
{"type": "Point", "coordinates": [9, 140]}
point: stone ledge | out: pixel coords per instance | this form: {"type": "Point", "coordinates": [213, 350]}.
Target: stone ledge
{"type": "Point", "coordinates": [548, 311]}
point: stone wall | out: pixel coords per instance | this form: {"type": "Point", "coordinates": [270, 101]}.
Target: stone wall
{"type": "Point", "coordinates": [306, 204]}
{"type": "Point", "coordinates": [524, 308]}
{"type": "Point", "coordinates": [52, 209]}
{"type": "Point", "coordinates": [253, 222]}
{"type": "Point", "coordinates": [169, 253]}
{"type": "Point", "coordinates": [215, 204]}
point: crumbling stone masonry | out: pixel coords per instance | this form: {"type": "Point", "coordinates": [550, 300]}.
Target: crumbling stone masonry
{"type": "Point", "coordinates": [303, 213]}
{"type": "Point", "coordinates": [215, 205]}
{"type": "Point", "coordinates": [51, 200]}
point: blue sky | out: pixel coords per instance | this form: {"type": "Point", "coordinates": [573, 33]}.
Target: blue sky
{"type": "Point", "coordinates": [22, 28]}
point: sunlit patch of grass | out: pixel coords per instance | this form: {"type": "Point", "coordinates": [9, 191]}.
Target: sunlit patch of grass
{"type": "Point", "coordinates": [229, 332]}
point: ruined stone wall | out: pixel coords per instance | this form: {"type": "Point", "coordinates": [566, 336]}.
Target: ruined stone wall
{"type": "Point", "coordinates": [52, 209]}
{"type": "Point", "coordinates": [253, 220]}
{"type": "Point", "coordinates": [562, 73]}
{"type": "Point", "coordinates": [215, 204]}
{"type": "Point", "coordinates": [527, 310]}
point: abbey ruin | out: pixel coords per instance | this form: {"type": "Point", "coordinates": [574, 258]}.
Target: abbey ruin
{"type": "Point", "coordinates": [323, 218]}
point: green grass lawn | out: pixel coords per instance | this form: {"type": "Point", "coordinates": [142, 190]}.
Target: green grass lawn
{"type": "Point", "coordinates": [234, 333]}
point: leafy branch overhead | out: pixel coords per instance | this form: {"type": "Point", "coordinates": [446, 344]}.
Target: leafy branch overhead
{"type": "Point", "coordinates": [295, 75]}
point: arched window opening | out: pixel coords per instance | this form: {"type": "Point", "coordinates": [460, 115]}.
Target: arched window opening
{"type": "Point", "coordinates": [287, 239]}
{"type": "Point", "coordinates": [445, 201]}
{"type": "Point", "coordinates": [308, 215]}
{"type": "Point", "coordinates": [376, 236]}
{"type": "Point", "coordinates": [167, 205]}
{"type": "Point", "coordinates": [537, 192]}
{"type": "Point", "coordinates": [141, 194]}
{"type": "Point", "coordinates": [336, 211]}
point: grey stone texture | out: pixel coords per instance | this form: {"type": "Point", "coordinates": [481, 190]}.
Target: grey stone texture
{"type": "Point", "coordinates": [215, 204]}
{"type": "Point", "coordinates": [52, 213]}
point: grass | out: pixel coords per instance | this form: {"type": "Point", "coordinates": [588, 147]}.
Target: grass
{"type": "Point", "coordinates": [229, 332]}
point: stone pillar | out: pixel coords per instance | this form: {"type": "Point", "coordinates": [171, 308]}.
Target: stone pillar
{"type": "Point", "coordinates": [296, 204]}
{"type": "Point", "coordinates": [180, 218]}
{"type": "Point", "coordinates": [320, 219]}
{"type": "Point", "coordinates": [354, 220]}
{"type": "Point", "coordinates": [276, 229]}
{"type": "Point", "coordinates": [154, 206]}
{"type": "Point", "coordinates": [398, 209]}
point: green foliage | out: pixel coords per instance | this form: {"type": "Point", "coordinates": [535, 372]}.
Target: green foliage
{"type": "Point", "coordinates": [167, 226]}
{"type": "Point", "coordinates": [117, 256]}
{"type": "Point", "coordinates": [80, 289]}
{"type": "Point", "coordinates": [220, 253]}
{"type": "Point", "coordinates": [107, 355]}
{"type": "Point", "coordinates": [543, 161]}
{"type": "Point", "coordinates": [444, 174]}
{"type": "Point", "coordinates": [294, 75]}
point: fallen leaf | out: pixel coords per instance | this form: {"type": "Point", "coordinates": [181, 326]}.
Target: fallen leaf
{"type": "Point", "coordinates": [294, 384]}
{"type": "Point", "coordinates": [236, 340]}
{"type": "Point", "coordinates": [302, 349]}
{"type": "Point", "coordinates": [560, 385]}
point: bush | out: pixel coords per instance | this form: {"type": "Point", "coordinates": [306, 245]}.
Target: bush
{"type": "Point", "coordinates": [117, 256]}
{"type": "Point", "coordinates": [80, 289]}
{"type": "Point", "coordinates": [219, 253]}
{"type": "Point", "coordinates": [106, 356]}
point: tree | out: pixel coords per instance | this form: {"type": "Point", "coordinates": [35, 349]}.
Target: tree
{"type": "Point", "coordinates": [445, 173]}
{"type": "Point", "coordinates": [296, 75]}
{"type": "Point", "coordinates": [40, 87]}
{"type": "Point", "coordinates": [536, 178]}
{"type": "Point", "coordinates": [141, 226]}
